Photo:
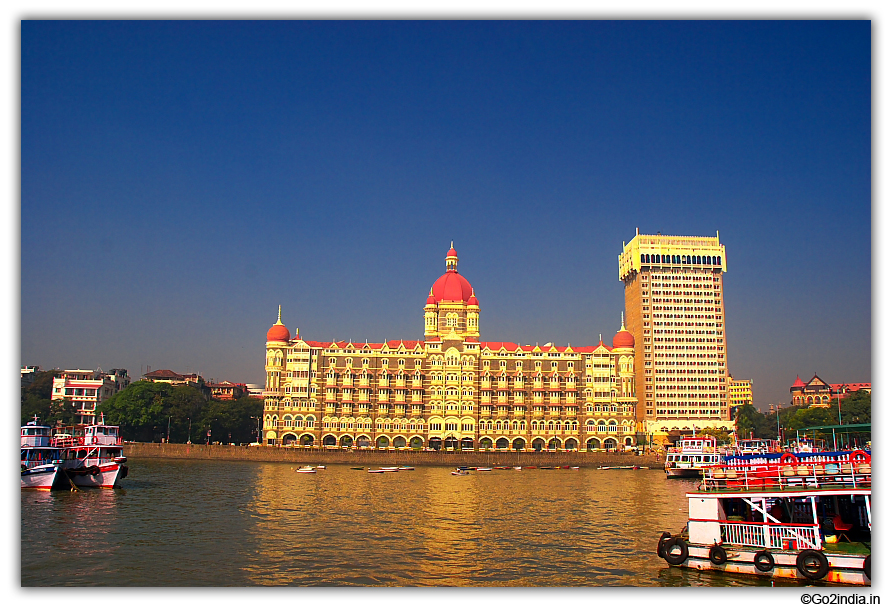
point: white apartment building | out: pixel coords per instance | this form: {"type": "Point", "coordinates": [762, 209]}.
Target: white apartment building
{"type": "Point", "coordinates": [86, 389]}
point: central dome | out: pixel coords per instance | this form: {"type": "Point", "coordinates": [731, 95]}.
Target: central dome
{"type": "Point", "coordinates": [452, 286]}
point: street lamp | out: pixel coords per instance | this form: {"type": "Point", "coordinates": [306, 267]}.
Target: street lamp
{"type": "Point", "coordinates": [189, 432]}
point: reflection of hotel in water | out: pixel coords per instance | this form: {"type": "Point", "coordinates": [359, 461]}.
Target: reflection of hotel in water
{"type": "Point", "coordinates": [450, 389]}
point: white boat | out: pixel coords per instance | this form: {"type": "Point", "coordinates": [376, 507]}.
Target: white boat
{"type": "Point", "coordinates": [517, 468]}
{"type": "Point", "coordinates": [41, 462]}
{"type": "Point", "coordinates": [95, 459]}
{"type": "Point", "coordinates": [690, 456]}
{"type": "Point", "coordinates": [459, 472]}
{"type": "Point", "coordinates": [406, 468]}
{"type": "Point", "coordinates": [377, 471]}
{"type": "Point", "coordinates": [306, 470]}
{"type": "Point", "coordinates": [484, 469]}
{"type": "Point", "coordinates": [801, 519]}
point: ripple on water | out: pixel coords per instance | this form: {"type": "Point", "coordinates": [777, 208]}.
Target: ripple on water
{"type": "Point", "coordinates": [207, 523]}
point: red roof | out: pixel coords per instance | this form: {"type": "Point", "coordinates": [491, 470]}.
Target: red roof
{"type": "Point", "coordinates": [452, 286]}
{"type": "Point", "coordinates": [799, 383]}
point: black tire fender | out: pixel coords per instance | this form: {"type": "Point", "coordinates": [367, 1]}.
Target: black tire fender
{"type": "Point", "coordinates": [812, 564]}
{"type": "Point", "coordinates": [676, 559]}
{"type": "Point", "coordinates": [661, 544]}
{"type": "Point", "coordinates": [866, 567]}
{"type": "Point", "coordinates": [764, 561]}
{"type": "Point", "coordinates": [718, 555]}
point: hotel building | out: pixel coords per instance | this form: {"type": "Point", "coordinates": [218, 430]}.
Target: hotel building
{"type": "Point", "coordinates": [449, 389]}
{"type": "Point", "coordinates": [673, 293]}
{"type": "Point", "coordinates": [740, 392]}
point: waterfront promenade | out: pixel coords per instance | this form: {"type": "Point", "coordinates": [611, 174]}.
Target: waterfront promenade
{"type": "Point", "coordinates": [375, 458]}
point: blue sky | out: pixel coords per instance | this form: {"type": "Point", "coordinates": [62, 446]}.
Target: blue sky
{"type": "Point", "coordinates": [180, 180]}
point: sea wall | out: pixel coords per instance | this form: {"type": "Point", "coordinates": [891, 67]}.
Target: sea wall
{"type": "Point", "coordinates": [375, 458]}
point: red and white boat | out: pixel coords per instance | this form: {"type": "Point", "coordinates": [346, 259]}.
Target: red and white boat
{"type": "Point", "coordinates": [95, 459]}
{"type": "Point", "coordinates": [41, 461]}
{"type": "Point", "coordinates": [799, 516]}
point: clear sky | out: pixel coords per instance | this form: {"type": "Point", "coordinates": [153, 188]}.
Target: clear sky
{"type": "Point", "coordinates": [180, 180]}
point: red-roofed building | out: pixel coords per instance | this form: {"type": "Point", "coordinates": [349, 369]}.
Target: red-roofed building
{"type": "Point", "coordinates": [449, 390]}
{"type": "Point", "coordinates": [818, 393]}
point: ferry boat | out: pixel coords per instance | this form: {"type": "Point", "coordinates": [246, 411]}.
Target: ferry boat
{"type": "Point", "coordinates": [748, 446]}
{"type": "Point", "coordinates": [805, 519]}
{"type": "Point", "coordinates": [690, 456]}
{"type": "Point", "coordinates": [95, 459]}
{"type": "Point", "coordinates": [41, 461]}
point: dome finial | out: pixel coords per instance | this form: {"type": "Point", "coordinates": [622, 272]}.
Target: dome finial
{"type": "Point", "coordinates": [622, 328]}
{"type": "Point", "coordinates": [279, 318]}
{"type": "Point", "coordinates": [452, 259]}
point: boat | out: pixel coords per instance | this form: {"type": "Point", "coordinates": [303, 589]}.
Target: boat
{"type": "Point", "coordinates": [750, 446]}
{"type": "Point", "coordinates": [406, 468]}
{"type": "Point", "coordinates": [690, 456]}
{"type": "Point", "coordinates": [320, 467]}
{"type": "Point", "coordinates": [459, 472]}
{"type": "Point", "coordinates": [518, 468]}
{"type": "Point", "coordinates": [806, 519]}
{"type": "Point", "coordinates": [502, 467]}
{"type": "Point", "coordinates": [358, 468]}
{"type": "Point", "coordinates": [41, 461]}
{"type": "Point", "coordinates": [614, 468]}
{"type": "Point", "coordinates": [95, 459]}
{"type": "Point", "coordinates": [306, 470]}
{"type": "Point", "coordinates": [483, 469]}
{"type": "Point", "coordinates": [377, 471]}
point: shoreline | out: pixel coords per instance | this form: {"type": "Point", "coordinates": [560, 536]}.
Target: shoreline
{"type": "Point", "coordinates": [376, 458]}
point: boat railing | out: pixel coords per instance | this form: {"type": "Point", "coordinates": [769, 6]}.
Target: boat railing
{"type": "Point", "coordinates": [783, 536]}
{"type": "Point", "coordinates": [789, 474]}
{"type": "Point", "coordinates": [68, 441]}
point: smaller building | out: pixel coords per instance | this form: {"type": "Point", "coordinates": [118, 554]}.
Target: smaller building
{"type": "Point", "coordinates": [740, 392]}
{"type": "Point", "coordinates": [86, 389]}
{"type": "Point", "coordinates": [819, 393]}
{"type": "Point", "coordinates": [170, 377]}
{"type": "Point", "coordinates": [28, 374]}
{"type": "Point", "coordinates": [227, 390]}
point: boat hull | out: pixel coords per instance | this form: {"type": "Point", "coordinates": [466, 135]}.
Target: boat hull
{"type": "Point", "coordinates": [106, 476]}
{"type": "Point", "coordinates": [683, 472]}
{"type": "Point", "coordinates": [844, 568]}
{"type": "Point", "coordinates": [42, 478]}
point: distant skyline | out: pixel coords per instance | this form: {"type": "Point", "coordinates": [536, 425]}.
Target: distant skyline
{"type": "Point", "coordinates": [181, 180]}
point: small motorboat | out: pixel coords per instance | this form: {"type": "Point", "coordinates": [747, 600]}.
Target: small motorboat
{"type": "Point", "coordinates": [379, 471]}
{"type": "Point", "coordinates": [358, 468]}
{"type": "Point", "coordinates": [484, 469]}
{"type": "Point", "coordinates": [406, 468]}
{"type": "Point", "coordinates": [320, 467]}
{"type": "Point", "coordinates": [459, 472]}
{"type": "Point", "coordinates": [306, 470]}
{"type": "Point", "coordinates": [518, 468]}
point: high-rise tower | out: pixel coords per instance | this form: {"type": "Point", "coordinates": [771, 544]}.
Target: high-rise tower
{"type": "Point", "coordinates": [674, 309]}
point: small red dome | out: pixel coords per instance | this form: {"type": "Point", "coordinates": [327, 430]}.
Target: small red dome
{"type": "Point", "coordinates": [624, 339]}
{"type": "Point", "coordinates": [452, 252]}
{"type": "Point", "coordinates": [473, 301]}
{"type": "Point", "coordinates": [278, 332]}
{"type": "Point", "coordinates": [452, 286]}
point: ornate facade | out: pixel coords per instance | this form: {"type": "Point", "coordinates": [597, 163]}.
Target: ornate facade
{"type": "Point", "coordinates": [449, 390]}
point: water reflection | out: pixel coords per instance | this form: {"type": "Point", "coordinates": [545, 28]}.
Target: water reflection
{"type": "Point", "coordinates": [205, 523]}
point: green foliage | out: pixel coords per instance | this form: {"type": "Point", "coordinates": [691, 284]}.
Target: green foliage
{"type": "Point", "coordinates": [36, 401]}
{"type": "Point", "coordinates": [722, 436]}
{"type": "Point", "coordinates": [148, 411]}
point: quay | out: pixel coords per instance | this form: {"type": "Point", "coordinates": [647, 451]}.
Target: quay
{"type": "Point", "coordinates": [370, 457]}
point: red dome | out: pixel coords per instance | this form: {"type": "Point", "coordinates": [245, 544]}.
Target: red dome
{"type": "Point", "coordinates": [278, 332]}
{"type": "Point", "coordinates": [473, 301]}
{"type": "Point", "coordinates": [624, 339]}
{"type": "Point", "coordinates": [452, 286]}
